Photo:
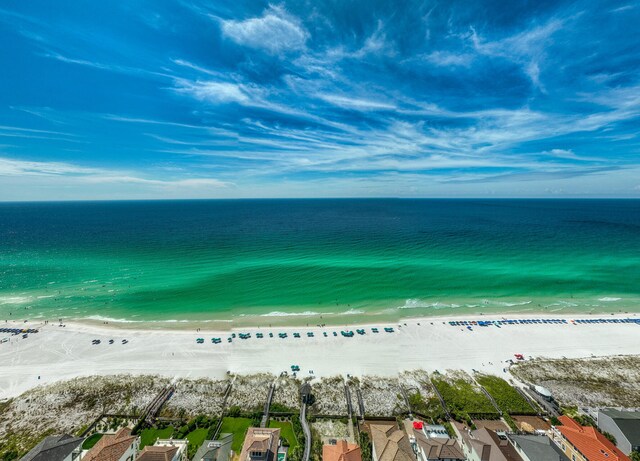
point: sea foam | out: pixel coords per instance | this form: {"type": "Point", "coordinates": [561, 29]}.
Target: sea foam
{"type": "Point", "coordinates": [292, 314]}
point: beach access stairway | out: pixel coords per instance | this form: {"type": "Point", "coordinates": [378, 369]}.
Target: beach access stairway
{"type": "Point", "coordinates": [403, 391]}
{"type": "Point", "coordinates": [347, 396]}
{"type": "Point", "coordinates": [265, 414]}
{"type": "Point", "coordinates": [491, 399]}
{"type": "Point", "coordinates": [551, 409]}
{"type": "Point", "coordinates": [307, 432]}
{"type": "Point", "coordinates": [151, 411]}
{"type": "Point", "coordinates": [531, 401]}
{"type": "Point", "coordinates": [224, 408]}
{"type": "Point", "coordinates": [442, 402]}
{"type": "Point", "coordinates": [360, 402]}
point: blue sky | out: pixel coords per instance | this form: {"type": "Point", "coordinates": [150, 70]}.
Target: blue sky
{"type": "Point", "coordinates": [188, 99]}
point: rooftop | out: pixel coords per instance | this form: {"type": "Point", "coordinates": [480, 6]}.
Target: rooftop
{"type": "Point", "coordinates": [157, 453]}
{"type": "Point", "coordinates": [53, 448]}
{"type": "Point", "coordinates": [341, 451]}
{"type": "Point", "coordinates": [261, 439]}
{"type": "Point", "coordinates": [390, 443]}
{"type": "Point", "coordinates": [591, 443]}
{"type": "Point", "coordinates": [628, 422]}
{"type": "Point", "coordinates": [538, 447]}
{"type": "Point", "coordinates": [438, 448]}
{"type": "Point", "coordinates": [218, 450]}
{"type": "Point", "coordinates": [111, 447]}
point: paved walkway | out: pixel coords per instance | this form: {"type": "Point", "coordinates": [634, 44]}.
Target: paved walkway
{"type": "Point", "coordinates": [307, 433]}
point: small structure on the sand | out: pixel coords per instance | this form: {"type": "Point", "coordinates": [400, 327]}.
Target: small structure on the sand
{"type": "Point", "coordinates": [260, 444]}
{"type": "Point", "coordinates": [341, 450]}
{"type": "Point", "coordinates": [121, 446]}
{"type": "Point", "coordinates": [305, 393]}
{"type": "Point", "coordinates": [56, 448]}
{"type": "Point", "coordinates": [543, 392]}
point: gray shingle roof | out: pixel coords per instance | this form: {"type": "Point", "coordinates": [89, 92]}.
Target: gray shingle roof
{"type": "Point", "coordinates": [218, 450]}
{"type": "Point", "coordinates": [538, 447]}
{"type": "Point", "coordinates": [53, 448]}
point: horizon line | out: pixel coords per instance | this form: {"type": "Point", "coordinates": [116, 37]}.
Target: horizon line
{"type": "Point", "coordinates": [229, 199]}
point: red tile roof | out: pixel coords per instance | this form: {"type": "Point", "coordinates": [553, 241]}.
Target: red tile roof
{"type": "Point", "coordinates": [591, 443]}
{"type": "Point", "coordinates": [341, 451]}
{"type": "Point", "coordinates": [111, 447]}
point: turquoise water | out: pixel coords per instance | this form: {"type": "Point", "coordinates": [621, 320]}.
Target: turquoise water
{"type": "Point", "coordinates": [263, 261]}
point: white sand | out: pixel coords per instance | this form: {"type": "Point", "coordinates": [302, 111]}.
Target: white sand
{"type": "Point", "coordinates": [58, 353]}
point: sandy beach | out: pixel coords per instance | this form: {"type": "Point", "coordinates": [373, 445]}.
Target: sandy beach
{"type": "Point", "coordinates": [58, 353]}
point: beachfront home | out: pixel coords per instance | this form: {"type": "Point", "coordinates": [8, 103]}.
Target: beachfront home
{"type": "Point", "coordinates": [215, 450]}
{"type": "Point", "coordinates": [436, 448]}
{"type": "Point", "coordinates": [584, 443]}
{"type": "Point", "coordinates": [390, 443]}
{"type": "Point", "coordinates": [260, 444]}
{"type": "Point", "coordinates": [536, 448]}
{"type": "Point", "coordinates": [341, 450]}
{"type": "Point", "coordinates": [431, 442]}
{"type": "Point", "coordinates": [165, 450]}
{"type": "Point", "coordinates": [56, 448]}
{"type": "Point", "coordinates": [624, 426]}
{"type": "Point", "coordinates": [121, 446]}
{"type": "Point", "coordinates": [486, 445]}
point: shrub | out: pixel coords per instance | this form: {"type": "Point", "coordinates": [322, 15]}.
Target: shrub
{"type": "Point", "coordinates": [506, 397]}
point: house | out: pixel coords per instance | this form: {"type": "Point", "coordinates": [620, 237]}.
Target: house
{"type": "Point", "coordinates": [341, 450]}
{"type": "Point", "coordinates": [624, 426]}
{"type": "Point", "coordinates": [390, 443]}
{"type": "Point", "coordinates": [437, 448]}
{"type": "Point", "coordinates": [121, 446]}
{"type": "Point", "coordinates": [584, 443]}
{"type": "Point", "coordinates": [215, 450]}
{"type": "Point", "coordinates": [56, 448]}
{"type": "Point", "coordinates": [486, 445]}
{"type": "Point", "coordinates": [536, 448]}
{"type": "Point", "coordinates": [165, 450]}
{"type": "Point", "coordinates": [260, 444]}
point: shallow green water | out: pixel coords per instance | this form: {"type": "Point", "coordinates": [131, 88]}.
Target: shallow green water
{"type": "Point", "coordinates": [300, 260]}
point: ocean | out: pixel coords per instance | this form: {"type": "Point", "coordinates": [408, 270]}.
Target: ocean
{"type": "Point", "coordinates": [258, 262]}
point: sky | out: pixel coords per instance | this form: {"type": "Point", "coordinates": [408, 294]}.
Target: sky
{"type": "Point", "coordinates": [156, 99]}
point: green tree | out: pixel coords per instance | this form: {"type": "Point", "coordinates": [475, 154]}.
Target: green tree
{"type": "Point", "coordinates": [365, 446]}
{"type": "Point", "coordinates": [611, 438]}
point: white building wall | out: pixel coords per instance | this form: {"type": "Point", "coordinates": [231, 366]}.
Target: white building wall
{"type": "Point", "coordinates": [607, 424]}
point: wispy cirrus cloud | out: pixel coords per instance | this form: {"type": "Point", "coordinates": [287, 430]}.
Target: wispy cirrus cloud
{"type": "Point", "coordinates": [22, 168]}
{"type": "Point", "coordinates": [275, 31]}
{"type": "Point", "coordinates": [353, 98]}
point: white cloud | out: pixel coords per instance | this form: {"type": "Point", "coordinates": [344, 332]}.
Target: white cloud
{"type": "Point", "coordinates": [78, 174]}
{"type": "Point", "coordinates": [216, 92]}
{"type": "Point", "coordinates": [191, 182]}
{"type": "Point", "coordinates": [355, 103]}
{"type": "Point", "coordinates": [446, 59]}
{"type": "Point", "coordinates": [10, 167]}
{"type": "Point", "coordinates": [526, 48]}
{"type": "Point", "coordinates": [276, 31]}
